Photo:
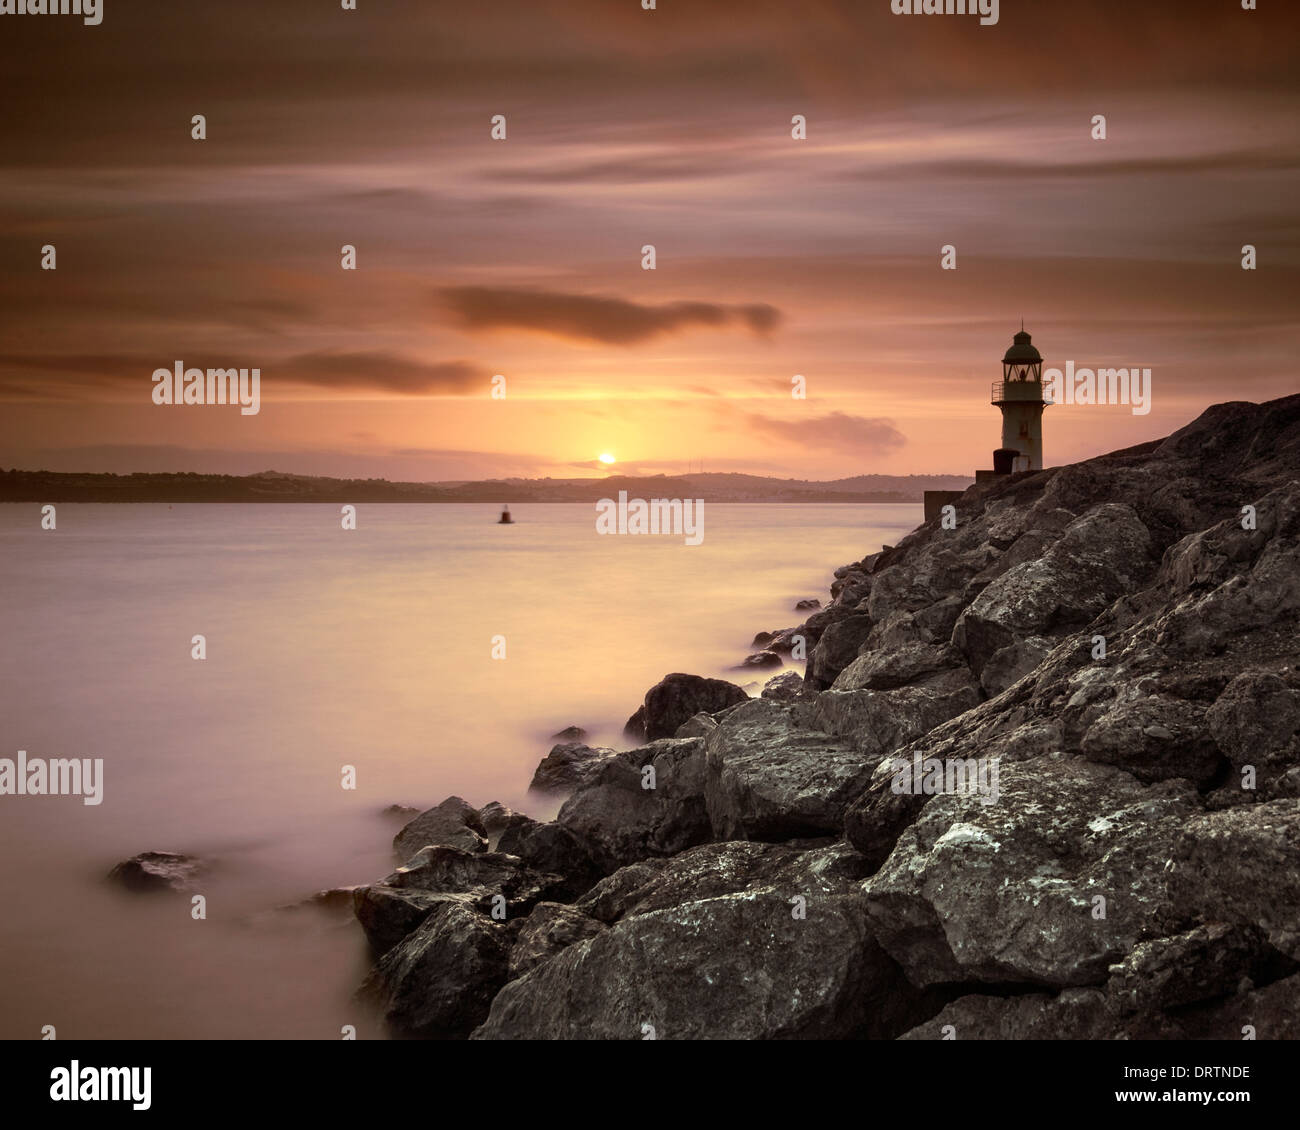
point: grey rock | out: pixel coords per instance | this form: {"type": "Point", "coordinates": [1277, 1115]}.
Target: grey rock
{"type": "Point", "coordinates": [1006, 891]}
{"type": "Point", "coordinates": [619, 818]}
{"type": "Point", "coordinates": [452, 823]}
{"type": "Point", "coordinates": [675, 699]}
{"type": "Point", "coordinates": [441, 980]}
{"type": "Point", "coordinates": [158, 871]}
{"type": "Point", "coordinates": [783, 687]}
{"type": "Point", "coordinates": [770, 779]}
{"type": "Point", "coordinates": [569, 765]}
{"type": "Point", "coordinates": [549, 929]}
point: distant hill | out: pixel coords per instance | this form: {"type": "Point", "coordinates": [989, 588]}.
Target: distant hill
{"type": "Point", "coordinates": [276, 486]}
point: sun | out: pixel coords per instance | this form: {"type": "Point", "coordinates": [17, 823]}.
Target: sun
{"type": "Point", "coordinates": [607, 458]}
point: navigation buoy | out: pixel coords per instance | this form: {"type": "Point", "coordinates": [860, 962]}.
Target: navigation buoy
{"type": "Point", "coordinates": [505, 518]}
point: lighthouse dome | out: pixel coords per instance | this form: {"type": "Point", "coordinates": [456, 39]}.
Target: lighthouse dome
{"type": "Point", "coordinates": [1022, 351]}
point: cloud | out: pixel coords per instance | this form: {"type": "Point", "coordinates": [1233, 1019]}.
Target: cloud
{"type": "Point", "coordinates": [582, 317]}
{"type": "Point", "coordinates": [55, 376]}
{"type": "Point", "coordinates": [836, 431]}
{"type": "Point", "coordinates": [380, 371]}
{"type": "Point", "coordinates": [985, 168]}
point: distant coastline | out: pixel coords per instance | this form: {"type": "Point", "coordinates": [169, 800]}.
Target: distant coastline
{"type": "Point", "coordinates": [273, 486]}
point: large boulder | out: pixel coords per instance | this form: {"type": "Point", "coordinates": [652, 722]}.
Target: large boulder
{"type": "Point", "coordinates": [675, 699]}
{"type": "Point", "coordinates": [1101, 556]}
{"type": "Point", "coordinates": [769, 778]}
{"type": "Point", "coordinates": [391, 909]}
{"type": "Point", "coordinates": [726, 941]}
{"type": "Point", "coordinates": [569, 765]}
{"type": "Point", "coordinates": [643, 802]}
{"type": "Point", "coordinates": [879, 722]}
{"type": "Point", "coordinates": [552, 849]}
{"type": "Point", "coordinates": [1242, 866]}
{"type": "Point", "coordinates": [440, 981]}
{"type": "Point", "coordinates": [1256, 722]}
{"type": "Point", "coordinates": [1155, 738]}
{"type": "Point", "coordinates": [886, 668]}
{"type": "Point", "coordinates": [1048, 881]}
{"type": "Point", "coordinates": [837, 647]}
{"type": "Point", "coordinates": [783, 687]}
{"type": "Point", "coordinates": [453, 823]}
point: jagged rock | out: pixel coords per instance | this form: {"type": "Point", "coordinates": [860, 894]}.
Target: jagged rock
{"type": "Point", "coordinates": [879, 722]}
{"type": "Point", "coordinates": [836, 648]}
{"type": "Point", "coordinates": [512, 836]}
{"type": "Point", "coordinates": [884, 669]}
{"type": "Point", "coordinates": [1243, 866]}
{"type": "Point", "coordinates": [1256, 721]}
{"type": "Point", "coordinates": [569, 765]}
{"type": "Point", "coordinates": [609, 899]}
{"type": "Point", "coordinates": [1071, 1014]}
{"type": "Point", "coordinates": [550, 928]}
{"type": "Point", "coordinates": [675, 699]}
{"type": "Point", "coordinates": [770, 779]}
{"type": "Point", "coordinates": [1010, 664]}
{"type": "Point", "coordinates": [390, 910]}
{"type": "Point", "coordinates": [643, 802]}
{"type": "Point", "coordinates": [1200, 964]}
{"type": "Point", "coordinates": [498, 820]}
{"type": "Point", "coordinates": [711, 947]}
{"type": "Point", "coordinates": [1268, 1013]}
{"type": "Point", "coordinates": [784, 686]}
{"type": "Point", "coordinates": [1154, 738]}
{"type": "Point", "coordinates": [1005, 891]}
{"type": "Point", "coordinates": [158, 871]}
{"type": "Point", "coordinates": [697, 726]}
{"type": "Point", "coordinates": [570, 734]}
{"type": "Point", "coordinates": [787, 640]}
{"type": "Point", "coordinates": [452, 823]}
{"type": "Point", "coordinates": [808, 605]}
{"type": "Point", "coordinates": [1099, 557]}
{"type": "Point", "coordinates": [553, 849]}
{"type": "Point", "coordinates": [760, 659]}
{"type": "Point", "coordinates": [440, 980]}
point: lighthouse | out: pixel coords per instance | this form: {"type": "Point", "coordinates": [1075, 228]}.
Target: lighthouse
{"type": "Point", "coordinates": [1019, 396]}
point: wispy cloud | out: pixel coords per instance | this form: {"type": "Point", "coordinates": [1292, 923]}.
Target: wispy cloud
{"type": "Point", "coordinates": [595, 318]}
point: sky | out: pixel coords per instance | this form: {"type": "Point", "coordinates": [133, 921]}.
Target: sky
{"type": "Point", "coordinates": [522, 257]}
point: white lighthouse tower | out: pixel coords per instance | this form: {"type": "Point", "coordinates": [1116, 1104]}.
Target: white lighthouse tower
{"type": "Point", "coordinates": [1019, 395]}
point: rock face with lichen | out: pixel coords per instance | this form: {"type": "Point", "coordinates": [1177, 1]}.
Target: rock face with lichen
{"type": "Point", "coordinates": [1106, 654]}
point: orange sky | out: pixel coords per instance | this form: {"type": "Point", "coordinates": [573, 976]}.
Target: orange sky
{"type": "Point", "coordinates": [522, 257]}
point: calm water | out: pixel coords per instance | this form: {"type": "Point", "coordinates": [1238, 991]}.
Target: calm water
{"type": "Point", "coordinates": [325, 648]}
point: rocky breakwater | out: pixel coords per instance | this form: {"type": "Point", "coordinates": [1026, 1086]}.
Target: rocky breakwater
{"type": "Point", "coordinates": [1041, 779]}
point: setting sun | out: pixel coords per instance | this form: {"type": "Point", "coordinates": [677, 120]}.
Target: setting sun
{"type": "Point", "coordinates": [607, 458]}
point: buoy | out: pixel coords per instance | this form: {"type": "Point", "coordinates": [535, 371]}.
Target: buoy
{"type": "Point", "coordinates": [505, 518]}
